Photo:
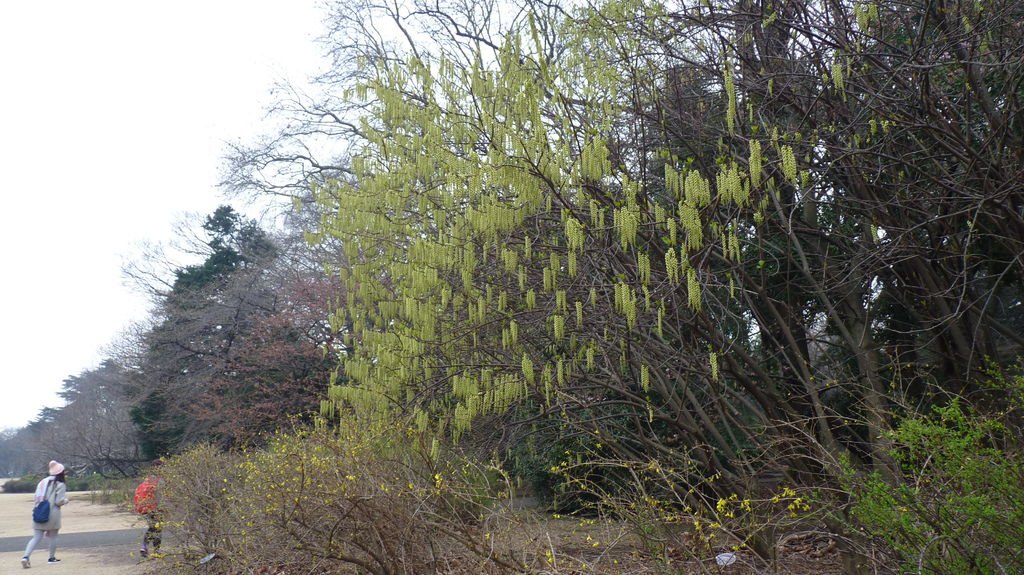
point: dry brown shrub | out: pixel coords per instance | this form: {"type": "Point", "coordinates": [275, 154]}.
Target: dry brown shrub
{"type": "Point", "coordinates": [346, 500]}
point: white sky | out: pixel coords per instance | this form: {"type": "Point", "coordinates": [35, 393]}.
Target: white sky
{"type": "Point", "coordinates": [113, 118]}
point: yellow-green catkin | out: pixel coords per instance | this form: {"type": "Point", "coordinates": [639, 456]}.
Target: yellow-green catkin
{"type": "Point", "coordinates": [672, 265]}
{"type": "Point", "coordinates": [755, 164]}
{"type": "Point", "coordinates": [528, 373]}
{"type": "Point", "coordinates": [789, 170]}
{"type": "Point", "coordinates": [693, 289]}
{"type": "Point", "coordinates": [730, 95]}
{"type": "Point", "coordinates": [558, 326]}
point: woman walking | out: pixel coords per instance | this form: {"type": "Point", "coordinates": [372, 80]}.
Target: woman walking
{"type": "Point", "coordinates": [53, 490]}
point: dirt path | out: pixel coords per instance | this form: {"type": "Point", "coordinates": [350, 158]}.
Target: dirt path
{"type": "Point", "coordinates": [79, 516]}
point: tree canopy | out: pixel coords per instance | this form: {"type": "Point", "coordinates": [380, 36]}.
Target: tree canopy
{"type": "Point", "coordinates": [743, 236]}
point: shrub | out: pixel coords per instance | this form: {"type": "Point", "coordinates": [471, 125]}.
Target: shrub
{"type": "Point", "coordinates": [196, 492]}
{"type": "Point", "coordinates": [958, 506]}
{"type": "Point", "coordinates": [683, 519]}
{"type": "Point", "coordinates": [92, 482]}
{"type": "Point", "coordinates": [333, 501]}
{"type": "Point", "coordinates": [26, 484]}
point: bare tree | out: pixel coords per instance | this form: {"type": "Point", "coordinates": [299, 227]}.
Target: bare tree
{"type": "Point", "coordinates": [93, 430]}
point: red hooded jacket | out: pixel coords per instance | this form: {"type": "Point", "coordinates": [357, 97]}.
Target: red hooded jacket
{"type": "Point", "coordinates": [145, 496]}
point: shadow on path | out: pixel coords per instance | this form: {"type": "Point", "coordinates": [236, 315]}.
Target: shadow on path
{"type": "Point", "coordinates": [119, 537]}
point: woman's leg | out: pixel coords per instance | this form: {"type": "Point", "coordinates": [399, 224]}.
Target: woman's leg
{"type": "Point", "coordinates": [33, 542]}
{"type": "Point", "coordinates": [53, 543]}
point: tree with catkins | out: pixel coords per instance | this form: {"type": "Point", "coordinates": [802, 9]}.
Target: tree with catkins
{"type": "Point", "coordinates": [739, 238]}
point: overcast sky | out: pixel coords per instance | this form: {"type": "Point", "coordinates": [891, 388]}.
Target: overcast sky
{"type": "Point", "coordinates": [113, 119]}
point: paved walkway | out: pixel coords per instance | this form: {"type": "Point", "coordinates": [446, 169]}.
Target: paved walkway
{"type": "Point", "coordinates": [96, 539]}
{"type": "Point", "coordinates": [128, 539]}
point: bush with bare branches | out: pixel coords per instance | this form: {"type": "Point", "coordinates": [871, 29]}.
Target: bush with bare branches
{"type": "Point", "coordinates": [339, 501]}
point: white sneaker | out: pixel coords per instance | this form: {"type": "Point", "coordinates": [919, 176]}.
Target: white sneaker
{"type": "Point", "coordinates": [25, 563]}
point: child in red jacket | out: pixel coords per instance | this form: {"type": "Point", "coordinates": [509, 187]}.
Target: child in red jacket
{"type": "Point", "coordinates": [146, 504]}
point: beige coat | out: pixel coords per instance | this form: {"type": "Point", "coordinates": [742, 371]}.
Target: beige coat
{"type": "Point", "coordinates": [56, 494]}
